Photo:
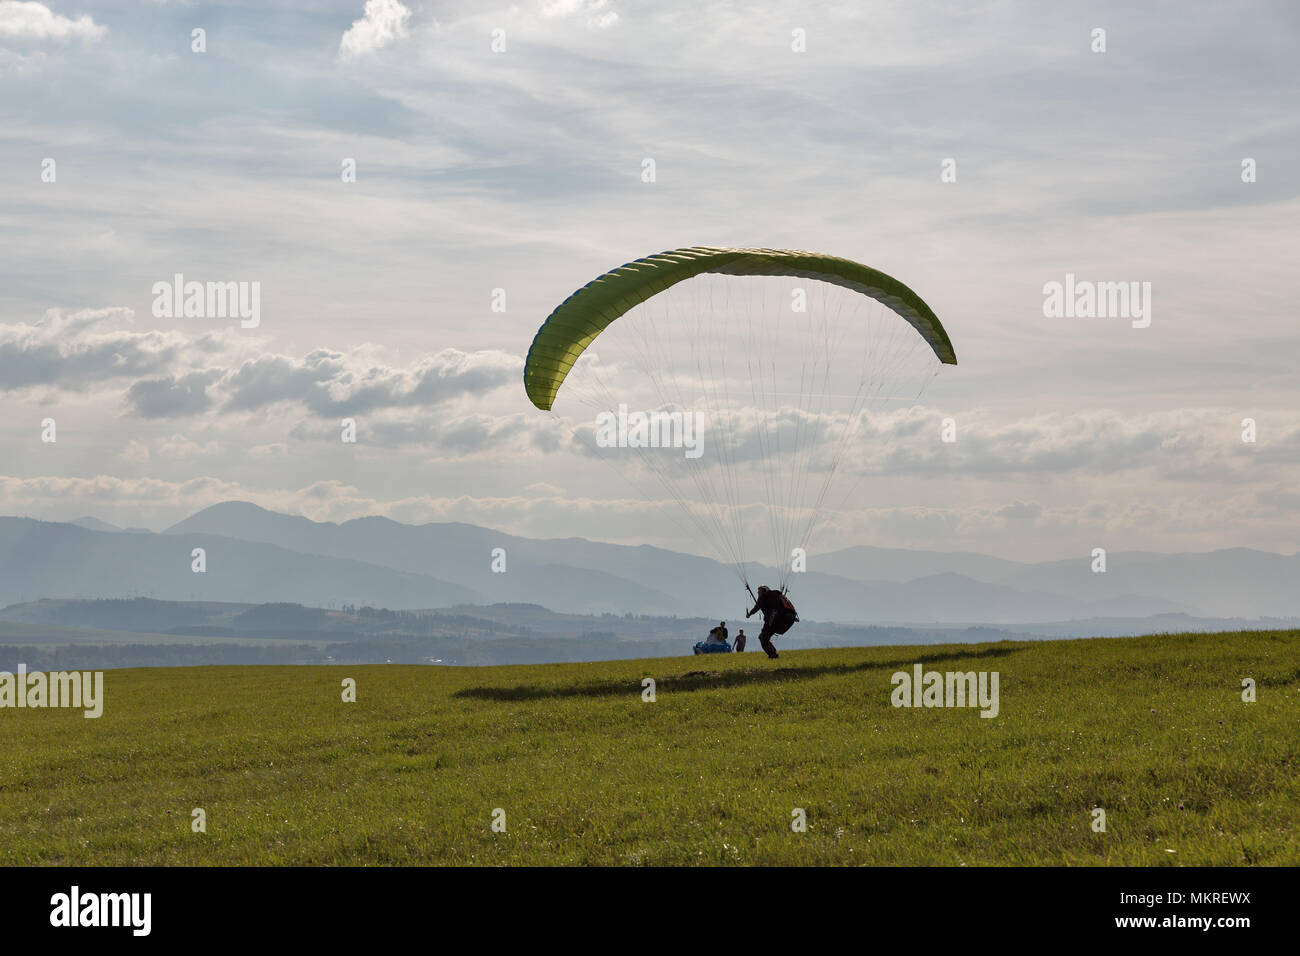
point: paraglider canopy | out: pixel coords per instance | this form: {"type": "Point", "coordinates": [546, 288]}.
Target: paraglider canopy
{"type": "Point", "coordinates": [776, 367]}
{"type": "Point", "coordinates": [585, 314]}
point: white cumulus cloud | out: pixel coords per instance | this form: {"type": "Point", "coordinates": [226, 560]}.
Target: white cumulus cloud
{"type": "Point", "coordinates": [382, 22]}
{"type": "Point", "coordinates": [36, 21]}
{"type": "Point", "coordinates": [595, 13]}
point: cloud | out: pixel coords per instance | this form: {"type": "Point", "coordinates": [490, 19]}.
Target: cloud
{"type": "Point", "coordinates": [172, 397]}
{"type": "Point", "coordinates": [1188, 444]}
{"type": "Point", "coordinates": [543, 489]}
{"type": "Point", "coordinates": [110, 488]}
{"type": "Point", "coordinates": [511, 437]}
{"type": "Point", "coordinates": [177, 447]}
{"type": "Point", "coordinates": [1020, 510]}
{"type": "Point", "coordinates": [1201, 521]}
{"type": "Point", "coordinates": [36, 21]}
{"type": "Point", "coordinates": [327, 383]}
{"type": "Point", "coordinates": [1185, 445]}
{"type": "Point", "coordinates": [178, 376]}
{"type": "Point", "coordinates": [594, 13]}
{"type": "Point", "coordinates": [86, 347]}
{"type": "Point", "coordinates": [382, 23]}
{"type": "Point", "coordinates": [273, 450]}
{"type": "Point", "coordinates": [20, 64]}
{"type": "Point", "coordinates": [332, 383]}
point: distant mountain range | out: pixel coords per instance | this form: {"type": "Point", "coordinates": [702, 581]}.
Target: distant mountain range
{"type": "Point", "coordinates": [256, 556]}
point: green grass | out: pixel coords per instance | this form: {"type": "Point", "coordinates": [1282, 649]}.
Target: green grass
{"type": "Point", "coordinates": [1152, 729]}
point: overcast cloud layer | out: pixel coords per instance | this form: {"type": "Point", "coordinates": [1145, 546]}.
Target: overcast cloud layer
{"type": "Point", "coordinates": [520, 170]}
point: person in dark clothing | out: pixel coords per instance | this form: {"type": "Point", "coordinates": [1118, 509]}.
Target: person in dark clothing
{"type": "Point", "coordinates": [779, 616]}
{"type": "Point", "coordinates": [740, 640]}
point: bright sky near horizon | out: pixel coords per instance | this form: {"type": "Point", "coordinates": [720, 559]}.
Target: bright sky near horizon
{"type": "Point", "coordinates": [128, 157]}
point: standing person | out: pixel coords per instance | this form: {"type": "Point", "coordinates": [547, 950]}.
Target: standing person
{"type": "Point", "coordinates": [779, 616]}
{"type": "Point", "coordinates": [740, 640]}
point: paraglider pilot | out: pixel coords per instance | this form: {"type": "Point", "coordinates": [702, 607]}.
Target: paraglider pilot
{"type": "Point", "coordinates": [779, 616]}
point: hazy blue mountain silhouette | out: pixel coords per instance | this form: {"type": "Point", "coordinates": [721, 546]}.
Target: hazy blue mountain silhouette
{"type": "Point", "coordinates": [256, 555]}
{"type": "Point", "coordinates": [47, 559]}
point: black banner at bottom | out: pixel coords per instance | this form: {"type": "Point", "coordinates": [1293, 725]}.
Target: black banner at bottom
{"type": "Point", "coordinates": [301, 906]}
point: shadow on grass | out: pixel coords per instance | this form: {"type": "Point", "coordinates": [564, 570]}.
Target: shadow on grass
{"type": "Point", "coordinates": [711, 680]}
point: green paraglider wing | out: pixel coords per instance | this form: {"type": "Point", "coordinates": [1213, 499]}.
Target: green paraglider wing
{"type": "Point", "coordinates": [573, 326]}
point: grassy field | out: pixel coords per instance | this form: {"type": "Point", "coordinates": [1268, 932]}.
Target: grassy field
{"type": "Point", "coordinates": [1151, 729]}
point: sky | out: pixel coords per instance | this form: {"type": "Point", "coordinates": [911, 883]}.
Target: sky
{"type": "Point", "coordinates": [977, 151]}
